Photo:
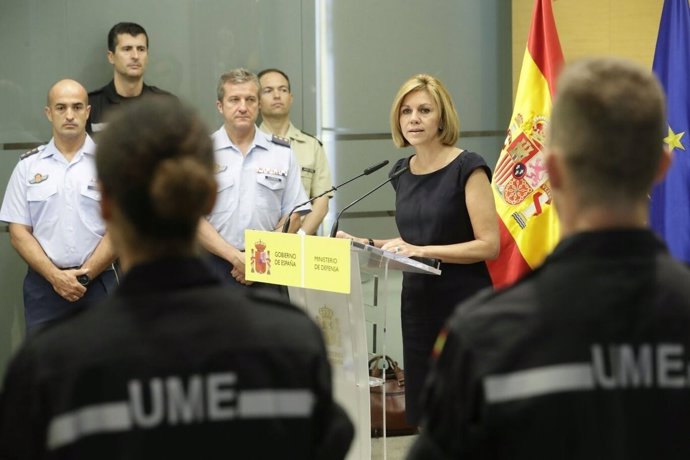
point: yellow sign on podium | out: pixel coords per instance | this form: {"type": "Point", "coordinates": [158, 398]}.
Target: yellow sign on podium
{"type": "Point", "coordinates": [327, 264]}
{"type": "Point", "coordinates": [272, 257]}
{"type": "Point", "coordinates": [312, 262]}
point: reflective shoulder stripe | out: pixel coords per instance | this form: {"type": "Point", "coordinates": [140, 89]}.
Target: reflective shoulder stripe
{"type": "Point", "coordinates": [99, 418]}
{"type": "Point", "coordinates": [538, 381]}
{"type": "Point", "coordinates": [112, 417]}
{"type": "Point", "coordinates": [272, 403]}
{"type": "Point", "coordinates": [97, 127]}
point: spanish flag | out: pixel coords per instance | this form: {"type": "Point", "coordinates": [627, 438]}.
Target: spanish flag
{"type": "Point", "coordinates": [527, 220]}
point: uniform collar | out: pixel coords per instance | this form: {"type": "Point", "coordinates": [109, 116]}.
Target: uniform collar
{"type": "Point", "coordinates": [88, 148]}
{"type": "Point", "coordinates": [110, 92]}
{"type": "Point", "coordinates": [114, 97]}
{"type": "Point", "coordinates": [294, 134]}
{"type": "Point", "coordinates": [221, 140]}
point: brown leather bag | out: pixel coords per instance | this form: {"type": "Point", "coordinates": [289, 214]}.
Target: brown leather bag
{"type": "Point", "coordinates": [395, 399]}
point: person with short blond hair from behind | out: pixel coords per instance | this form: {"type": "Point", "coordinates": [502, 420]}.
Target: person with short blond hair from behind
{"type": "Point", "coordinates": [587, 356]}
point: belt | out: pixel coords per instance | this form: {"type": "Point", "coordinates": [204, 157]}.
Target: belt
{"type": "Point", "coordinates": [110, 267]}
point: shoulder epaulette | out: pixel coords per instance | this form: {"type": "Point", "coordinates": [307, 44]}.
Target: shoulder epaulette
{"type": "Point", "coordinates": [33, 151]}
{"type": "Point", "coordinates": [280, 140]}
{"type": "Point", "coordinates": [311, 135]}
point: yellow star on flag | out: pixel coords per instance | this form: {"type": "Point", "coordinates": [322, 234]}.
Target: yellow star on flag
{"type": "Point", "coordinates": [673, 139]}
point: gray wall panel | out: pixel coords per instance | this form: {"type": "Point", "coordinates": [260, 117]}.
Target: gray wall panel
{"type": "Point", "coordinates": [191, 44]}
{"type": "Point", "coordinates": [353, 157]}
{"type": "Point", "coordinates": [12, 270]}
{"type": "Point", "coordinates": [375, 46]}
{"type": "Point", "coordinates": [371, 48]}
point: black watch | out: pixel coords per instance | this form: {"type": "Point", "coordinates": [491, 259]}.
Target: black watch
{"type": "Point", "coordinates": [84, 280]}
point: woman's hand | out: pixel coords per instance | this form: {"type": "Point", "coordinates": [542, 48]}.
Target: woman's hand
{"type": "Point", "coordinates": [400, 247]}
{"type": "Point", "coordinates": [342, 234]}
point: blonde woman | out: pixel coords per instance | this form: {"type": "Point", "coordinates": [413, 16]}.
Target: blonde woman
{"type": "Point", "coordinates": [444, 210]}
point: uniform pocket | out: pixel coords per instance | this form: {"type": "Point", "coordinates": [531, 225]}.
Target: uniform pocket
{"type": "Point", "coordinates": [224, 181]}
{"type": "Point", "coordinates": [226, 200]}
{"type": "Point", "coordinates": [269, 193]}
{"type": "Point", "coordinates": [91, 191]}
{"type": "Point", "coordinates": [39, 197]}
{"type": "Point", "coordinates": [90, 208]}
{"type": "Point", "coordinates": [307, 176]}
{"type": "Point", "coordinates": [40, 192]}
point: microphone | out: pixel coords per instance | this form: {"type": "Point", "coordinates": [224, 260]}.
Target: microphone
{"type": "Point", "coordinates": [366, 172]}
{"type": "Point", "coordinates": [369, 170]}
{"type": "Point", "coordinates": [397, 173]}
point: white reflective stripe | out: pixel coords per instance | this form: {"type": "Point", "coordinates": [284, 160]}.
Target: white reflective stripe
{"type": "Point", "coordinates": [538, 381]}
{"type": "Point", "coordinates": [96, 127]}
{"type": "Point", "coordinates": [110, 417]}
{"type": "Point", "coordinates": [275, 403]}
{"type": "Point", "coordinates": [69, 427]}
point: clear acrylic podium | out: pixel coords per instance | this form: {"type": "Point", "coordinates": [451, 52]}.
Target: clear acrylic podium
{"type": "Point", "coordinates": [341, 318]}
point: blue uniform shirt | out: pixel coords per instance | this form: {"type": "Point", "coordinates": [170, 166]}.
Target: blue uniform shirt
{"type": "Point", "coordinates": [59, 200]}
{"type": "Point", "coordinates": [256, 190]}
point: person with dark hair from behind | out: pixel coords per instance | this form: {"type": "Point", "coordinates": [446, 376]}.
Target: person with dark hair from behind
{"type": "Point", "coordinates": [128, 52]}
{"type": "Point", "coordinates": [176, 364]}
{"type": "Point", "coordinates": [586, 357]}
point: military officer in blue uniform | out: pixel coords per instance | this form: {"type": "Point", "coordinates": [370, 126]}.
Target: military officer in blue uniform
{"type": "Point", "coordinates": [258, 177]}
{"type": "Point", "coordinates": [52, 204]}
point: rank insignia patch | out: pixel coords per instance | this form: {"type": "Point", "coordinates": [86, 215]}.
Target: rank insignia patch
{"type": "Point", "coordinates": [38, 178]}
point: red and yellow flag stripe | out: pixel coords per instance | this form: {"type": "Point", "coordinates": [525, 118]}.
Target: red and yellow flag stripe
{"type": "Point", "coordinates": [528, 222]}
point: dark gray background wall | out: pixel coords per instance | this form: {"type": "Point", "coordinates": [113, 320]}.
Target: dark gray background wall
{"type": "Point", "coordinates": [368, 51]}
{"type": "Point", "coordinates": [346, 60]}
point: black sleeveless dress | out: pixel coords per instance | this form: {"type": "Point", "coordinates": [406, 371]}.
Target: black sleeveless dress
{"type": "Point", "coordinates": [430, 210]}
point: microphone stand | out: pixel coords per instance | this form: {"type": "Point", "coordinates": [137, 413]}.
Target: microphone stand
{"type": "Point", "coordinates": [399, 172]}
{"type": "Point", "coordinates": [376, 167]}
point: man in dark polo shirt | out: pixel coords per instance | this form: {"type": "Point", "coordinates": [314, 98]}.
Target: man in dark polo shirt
{"type": "Point", "coordinates": [128, 52]}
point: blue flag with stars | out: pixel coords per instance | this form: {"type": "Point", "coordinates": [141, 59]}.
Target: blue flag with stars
{"type": "Point", "coordinates": [670, 200]}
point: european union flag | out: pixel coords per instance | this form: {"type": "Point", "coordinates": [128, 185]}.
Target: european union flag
{"type": "Point", "coordinates": [670, 201]}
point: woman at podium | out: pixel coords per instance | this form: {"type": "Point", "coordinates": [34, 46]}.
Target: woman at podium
{"type": "Point", "coordinates": [444, 210]}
